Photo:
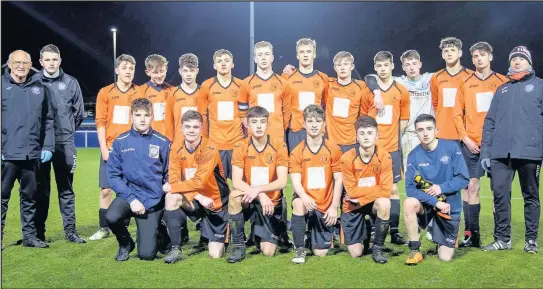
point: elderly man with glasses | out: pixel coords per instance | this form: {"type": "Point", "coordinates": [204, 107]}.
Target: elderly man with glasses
{"type": "Point", "coordinates": [27, 139]}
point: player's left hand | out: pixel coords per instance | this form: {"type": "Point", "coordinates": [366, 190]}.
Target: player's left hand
{"type": "Point", "coordinates": [46, 156]}
{"type": "Point", "coordinates": [471, 145]}
{"type": "Point", "coordinates": [354, 201]}
{"type": "Point", "coordinates": [250, 195]}
{"type": "Point", "coordinates": [267, 205]}
{"type": "Point", "coordinates": [167, 187]}
{"type": "Point", "coordinates": [289, 69]}
{"type": "Point", "coordinates": [330, 218]}
{"type": "Point", "coordinates": [378, 101]}
{"type": "Point", "coordinates": [434, 190]}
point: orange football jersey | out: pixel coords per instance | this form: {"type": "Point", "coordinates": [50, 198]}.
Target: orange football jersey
{"type": "Point", "coordinates": [179, 102]}
{"type": "Point", "coordinates": [158, 95]}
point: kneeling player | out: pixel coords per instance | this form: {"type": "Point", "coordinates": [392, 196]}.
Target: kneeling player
{"type": "Point", "coordinates": [137, 167]}
{"type": "Point", "coordinates": [315, 171]}
{"type": "Point", "coordinates": [259, 174]}
{"type": "Point", "coordinates": [367, 178]}
{"type": "Point", "coordinates": [197, 188]}
{"type": "Point", "coordinates": [442, 167]}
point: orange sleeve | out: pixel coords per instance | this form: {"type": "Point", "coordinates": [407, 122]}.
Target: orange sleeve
{"type": "Point", "coordinates": [405, 105]}
{"type": "Point", "coordinates": [325, 92]}
{"type": "Point", "coordinates": [238, 156]}
{"type": "Point", "coordinates": [369, 105]}
{"type": "Point", "coordinates": [243, 98]}
{"type": "Point", "coordinates": [295, 162]}
{"type": "Point", "coordinates": [202, 106]}
{"type": "Point", "coordinates": [458, 112]}
{"type": "Point", "coordinates": [174, 167]}
{"type": "Point", "coordinates": [282, 155]}
{"type": "Point", "coordinates": [101, 108]}
{"type": "Point", "coordinates": [287, 104]}
{"type": "Point", "coordinates": [170, 119]}
{"type": "Point", "coordinates": [366, 195]}
{"type": "Point", "coordinates": [365, 95]}
{"type": "Point", "coordinates": [336, 159]}
{"type": "Point", "coordinates": [434, 89]}
{"type": "Point", "coordinates": [208, 161]}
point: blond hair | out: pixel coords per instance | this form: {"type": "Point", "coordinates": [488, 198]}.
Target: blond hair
{"type": "Point", "coordinates": [125, 57]}
{"type": "Point", "coordinates": [155, 61]}
{"type": "Point", "coordinates": [343, 55]}
{"type": "Point", "coordinates": [263, 44]}
{"type": "Point", "coordinates": [222, 52]}
{"type": "Point", "coordinates": [306, 41]}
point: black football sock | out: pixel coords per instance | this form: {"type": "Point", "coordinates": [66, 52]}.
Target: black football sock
{"type": "Point", "coordinates": [298, 230]}
{"type": "Point", "coordinates": [394, 216]}
{"type": "Point", "coordinates": [381, 229]}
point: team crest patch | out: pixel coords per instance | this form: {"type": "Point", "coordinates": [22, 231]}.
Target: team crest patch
{"type": "Point", "coordinates": [425, 85]}
{"type": "Point", "coordinates": [316, 83]}
{"type": "Point", "coordinates": [274, 86]}
{"type": "Point", "coordinates": [234, 93]}
{"type": "Point", "coordinates": [154, 151]}
{"type": "Point", "coordinates": [375, 168]}
{"type": "Point", "coordinates": [61, 86]}
{"type": "Point", "coordinates": [529, 88]}
{"type": "Point", "coordinates": [324, 159]}
{"type": "Point", "coordinates": [35, 90]}
{"type": "Point", "coordinates": [445, 160]}
{"type": "Point", "coordinates": [269, 158]}
{"type": "Point", "coordinates": [352, 92]}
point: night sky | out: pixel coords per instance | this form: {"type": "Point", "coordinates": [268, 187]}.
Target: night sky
{"type": "Point", "coordinates": [82, 32]}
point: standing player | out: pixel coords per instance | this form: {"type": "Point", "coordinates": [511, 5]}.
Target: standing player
{"type": "Point", "coordinates": [308, 86]}
{"type": "Point", "coordinates": [315, 171]}
{"type": "Point", "coordinates": [367, 177]}
{"type": "Point", "coordinates": [221, 109]}
{"type": "Point", "coordinates": [445, 86]}
{"type": "Point", "coordinates": [392, 121]}
{"type": "Point", "coordinates": [348, 99]}
{"type": "Point", "coordinates": [259, 175]}
{"type": "Point", "coordinates": [137, 168]}
{"type": "Point", "coordinates": [112, 119]}
{"type": "Point", "coordinates": [184, 97]}
{"type": "Point", "coordinates": [475, 96]}
{"type": "Point", "coordinates": [420, 96]}
{"type": "Point", "coordinates": [67, 103]}
{"type": "Point", "coordinates": [197, 188]}
{"type": "Point", "coordinates": [156, 90]}
{"type": "Point", "coordinates": [268, 90]}
{"type": "Point", "coordinates": [439, 162]}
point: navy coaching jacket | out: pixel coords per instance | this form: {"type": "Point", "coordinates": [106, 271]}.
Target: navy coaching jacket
{"type": "Point", "coordinates": [514, 123]}
{"type": "Point", "coordinates": [138, 166]}
{"type": "Point", "coordinates": [27, 118]}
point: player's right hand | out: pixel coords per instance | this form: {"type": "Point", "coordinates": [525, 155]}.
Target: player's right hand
{"type": "Point", "coordinates": [137, 207]}
{"type": "Point", "coordinates": [378, 100]}
{"type": "Point", "coordinates": [472, 146]}
{"type": "Point", "coordinates": [309, 203]}
{"type": "Point", "coordinates": [250, 195]}
{"type": "Point", "coordinates": [105, 155]}
{"type": "Point", "coordinates": [444, 207]}
{"type": "Point", "coordinates": [289, 69]}
{"type": "Point", "coordinates": [205, 201]}
{"type": "Point", "coordinates": [267, 205]}
{"type": "Point", "coordinates": [167, 187]}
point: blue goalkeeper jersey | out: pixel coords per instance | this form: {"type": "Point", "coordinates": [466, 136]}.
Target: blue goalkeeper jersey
{"type": "Point", "coordinates": [444, 166]}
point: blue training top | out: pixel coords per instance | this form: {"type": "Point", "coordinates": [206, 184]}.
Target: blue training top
{"type": "Point", "coordinates": [445, 166]}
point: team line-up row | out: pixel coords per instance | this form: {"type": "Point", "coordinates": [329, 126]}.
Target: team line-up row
{"type": "Point", "coordinates": [459, 98]}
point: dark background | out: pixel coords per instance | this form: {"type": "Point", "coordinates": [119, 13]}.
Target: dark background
{"type": "Point", "coordinates": [82, 32]}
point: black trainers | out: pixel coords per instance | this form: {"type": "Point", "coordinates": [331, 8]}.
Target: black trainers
{"type": "Point", "coordinates": [530, 247]}
{"type": "Point", "coordinates": [473, 241]}
{"type": "Point", "coordinates": [124, 251]}
{"type": "Point", "coordinates": [378, 256]}
{"type": "Point", "coordinates": [397, 239]}
{"type": "Point", "coordinates": [174, 255]}
{"type": "Point", "coordinates": [497, 245]}
{"type": "Point", "coordinates": [238, 254]}
{"type": "Point", "coordinates": [74, 238]}
{"type": "Point", "coordinates": [34, 242]}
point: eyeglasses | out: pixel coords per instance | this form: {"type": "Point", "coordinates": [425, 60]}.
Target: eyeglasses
{"type": "Point", "coordinates": [19, 63]}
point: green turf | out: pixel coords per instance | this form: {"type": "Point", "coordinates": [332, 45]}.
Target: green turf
{"type": "Point", "coordinates": [91, 265]}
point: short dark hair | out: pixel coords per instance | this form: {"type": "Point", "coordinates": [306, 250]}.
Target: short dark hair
{"type": "Point", "coordinates": [141, 103]}
{"type": "Point", "coordinates": [425, 117]}
{"type": "Point", "coordinates": [257, 111]}
{"type": "Point", "coordinates": [450, 41]}
{"type": "Point", "coordinates": [483, 46]}
{"type": "Point", "coordinates": [191, 115]}
{"type": "Point", "coordinates": [383, 56]}
{"type": "Point", "coordinates": [365, 122]}
{"type": "Point", "coordinates": [313, 110]}
{"type": "Point", "coordinates": [49, 48]}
